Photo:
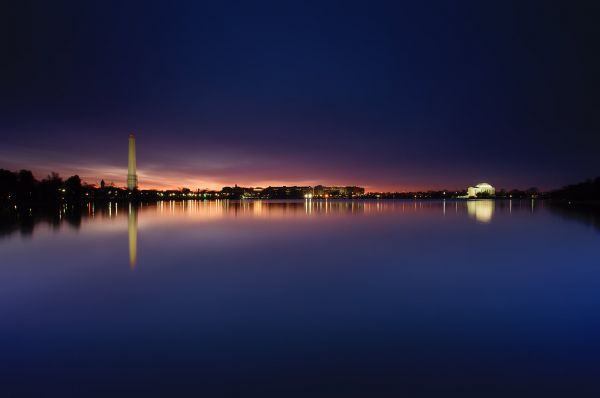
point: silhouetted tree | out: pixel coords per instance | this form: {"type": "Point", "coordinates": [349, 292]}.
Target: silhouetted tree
{"type": "Point", "coordinates": [501, 194]}
{"type": "Point", "coordinates": [25, 186]}
{"type": "Point", "coordinates": [51, 188]}
{"type": "Point", "coordinates": [585, 191]}
{"type": "Point", "coordinates": [73, 187]}
{"type": "Point", "coordinates": [8, 184]}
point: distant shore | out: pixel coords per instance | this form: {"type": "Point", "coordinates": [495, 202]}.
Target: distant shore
{"type": "Point", "coordinates": [22, 189]}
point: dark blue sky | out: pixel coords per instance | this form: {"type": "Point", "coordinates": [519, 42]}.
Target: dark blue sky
{"type": "Point", "coordinates": [388, 95]}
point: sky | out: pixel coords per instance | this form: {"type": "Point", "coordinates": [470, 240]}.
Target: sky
{"type": "Point", "coordinates": [393, 96]}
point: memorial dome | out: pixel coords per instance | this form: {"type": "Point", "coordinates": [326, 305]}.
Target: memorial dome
{"type": "Point", "coordinates": [483, 185]}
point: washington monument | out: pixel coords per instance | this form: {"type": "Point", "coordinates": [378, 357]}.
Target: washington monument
{"type": "Point", "coordinates": [131, 170]}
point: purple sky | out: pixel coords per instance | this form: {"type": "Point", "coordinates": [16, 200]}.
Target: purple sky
{"type": "Point", "coordinates": [382, 95]}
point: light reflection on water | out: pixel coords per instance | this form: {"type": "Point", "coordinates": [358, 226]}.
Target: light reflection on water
{"type": "Point", "coordinates": [481, 210]}
{"type": "Point", "coordinates": [132, 232]}
{"type": "Point", "coordinates": [304, 298]}
{"type": "Point", "coordinates": [165, 212]}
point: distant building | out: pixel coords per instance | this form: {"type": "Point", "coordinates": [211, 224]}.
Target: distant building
{"type": "Point", "coordinates": [240, 192]}
{"type": "Point", "coordinates": [284, 192]}
{"type": "Point", "coordinates": [479, 189]}
{"type": "Point", "coordinates": [338, 191]}
{"type": "Point", "coordinates": [292, 192]}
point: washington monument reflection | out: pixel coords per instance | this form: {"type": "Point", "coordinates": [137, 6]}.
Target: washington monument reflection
{"type": "Point", "coordinates": [132, 229]}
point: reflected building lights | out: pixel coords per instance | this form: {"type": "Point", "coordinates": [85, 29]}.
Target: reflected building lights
{"type": "Point", "coordinates": [175, 212]}
{"type": "Point", "coordinates": [481, 210]}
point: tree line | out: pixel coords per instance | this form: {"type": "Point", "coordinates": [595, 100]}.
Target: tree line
{"type": "Point", "coordinates": [588, 190]}
{"type": "Point", "coordinates": [22, 187]}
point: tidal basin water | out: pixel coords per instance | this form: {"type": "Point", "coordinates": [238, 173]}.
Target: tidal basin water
{"type": "Point", "coordinates": [301, 299]}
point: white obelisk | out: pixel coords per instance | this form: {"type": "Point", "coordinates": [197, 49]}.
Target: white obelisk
{"type": "Point", "coordinates": [131, 169]}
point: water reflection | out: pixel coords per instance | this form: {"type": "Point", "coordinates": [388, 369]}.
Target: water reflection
{"type": "Point", "coordinates": [304, 293]}
{"type": "Point", "coordinates": [25, 220]}
{"type": "Point", "coordinates": [587, 214]}
{"type": "Point", "coordinates": [132, 232]}
{"type": "Point", "coordinates": [481, 210]}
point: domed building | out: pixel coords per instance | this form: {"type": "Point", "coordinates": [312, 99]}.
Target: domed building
{"type": "Point", "coordinates": [480, 188]}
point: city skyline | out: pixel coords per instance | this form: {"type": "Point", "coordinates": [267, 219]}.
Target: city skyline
{"type": "Point", "coordinates": [131, 180]}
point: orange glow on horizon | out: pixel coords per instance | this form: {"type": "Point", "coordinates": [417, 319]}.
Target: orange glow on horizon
{"type": "Point", "coordinates": [117, 176]}
{"type": "Point", "coordinates": [174, 185]}
{"type": "Point", "coordinates": [193, 184]}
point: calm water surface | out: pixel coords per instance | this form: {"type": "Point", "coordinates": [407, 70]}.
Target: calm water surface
{"type": "Point", "coordinates": [301, 299]}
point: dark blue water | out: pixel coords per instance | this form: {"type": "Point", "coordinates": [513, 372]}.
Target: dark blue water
{"type": "Point", "coordinates": [302, 299]}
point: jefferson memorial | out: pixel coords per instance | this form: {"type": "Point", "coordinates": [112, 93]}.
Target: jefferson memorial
{"type": "Point", "coordinates": [483, 187]}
